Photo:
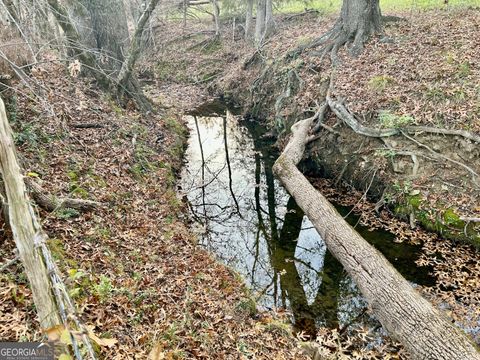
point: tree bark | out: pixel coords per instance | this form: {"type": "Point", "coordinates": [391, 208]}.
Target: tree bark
{"type": "Point", "coordinates": [425, 332]}
{"type": "Point", "coordinates": [260, 22]}
{"type": "Point", "coordinates": [25, 231]}
{"type": "Point", "coordinates": [216, 16]}
{"type": "Point", "coordinates": [359, 19]}
{"type": "Point", "coordinates": [125, 75]}
{"type": "Point", "coordinates": [269, 21]}
{"type": "Point", "coordinates": [110, 30]}
{"type": "Point", "coordinates": [74, 42]}
{"type": "Point", "coordinates": [249, 20]}
{"type": "Point", "coordinates": [50, 202]}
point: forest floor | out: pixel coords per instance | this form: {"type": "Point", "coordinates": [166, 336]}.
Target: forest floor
{"type": "Point", "coordinates": [423, 74]}
{"type": "Point", "coordinates": [133, 266]}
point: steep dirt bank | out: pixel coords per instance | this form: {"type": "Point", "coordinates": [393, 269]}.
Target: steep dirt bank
{"type": "Point", "coordinates": [418, 75]}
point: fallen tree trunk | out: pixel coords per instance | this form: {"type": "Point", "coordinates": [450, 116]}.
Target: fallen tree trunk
{"type": "Point", "coordinates": [51, 203]}
{"type": "Point", "coordinates": [424, 331]}
{"type": "Point", "coordinates": [23, 229]}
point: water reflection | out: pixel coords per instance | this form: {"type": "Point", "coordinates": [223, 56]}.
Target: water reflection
{"type": "Point", "coordinates": [250, 222]}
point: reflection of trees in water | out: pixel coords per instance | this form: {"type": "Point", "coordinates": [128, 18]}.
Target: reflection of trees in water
{"type": "Point", "coordinates": [265, 243]}
{"type": "Point", "coordinates": [282, 243]}
{"type": "Point", "coordinates": [253, 225]}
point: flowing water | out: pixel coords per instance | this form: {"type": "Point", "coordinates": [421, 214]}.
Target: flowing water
{"type": "Point", "coordinates": [245, 217]}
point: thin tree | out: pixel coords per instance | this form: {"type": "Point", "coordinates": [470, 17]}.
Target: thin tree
{"type": "Point", "coordinates": [125, 74]}
{"type": "Point", "coordinates": [265, 24]}
{"type": "Point", "coordinates": [249, 20]}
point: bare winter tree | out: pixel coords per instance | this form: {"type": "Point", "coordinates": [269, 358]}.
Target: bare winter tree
{"type": "Point", "coordinates": [116, 55]}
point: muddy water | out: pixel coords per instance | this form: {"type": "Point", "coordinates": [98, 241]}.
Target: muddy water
{"type": "Point", "coordinates": [245, 217]}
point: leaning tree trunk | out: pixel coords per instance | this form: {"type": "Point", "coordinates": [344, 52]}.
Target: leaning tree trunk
{"type": "Point", "coordinates": [125, 80]}
{"type": "Point", "coordinates": [423, 330]}
{"type": "Point", "coordinates": [24, 230]}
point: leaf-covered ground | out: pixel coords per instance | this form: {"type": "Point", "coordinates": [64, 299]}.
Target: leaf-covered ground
{"type": "Point", "coordinates": [424, 72]}
{"type": "Point", "coordinates": [132, 266]}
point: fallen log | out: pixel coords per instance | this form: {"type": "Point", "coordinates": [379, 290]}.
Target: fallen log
{"type": "Point", "coordinates": [51, 203]}
{"type": "Point", "coordinates": [425, 332]}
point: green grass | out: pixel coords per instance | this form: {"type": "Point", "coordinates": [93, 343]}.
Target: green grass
{"type": "Point", "coordinates": [333, 6]}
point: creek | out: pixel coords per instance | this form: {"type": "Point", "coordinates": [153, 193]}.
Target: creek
{"type": "Point", "coordinates": [246, 218]}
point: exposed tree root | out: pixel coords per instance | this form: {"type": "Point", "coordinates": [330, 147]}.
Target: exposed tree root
{"type": "Point", "coordinates": [348, 118]}
{"type": "Point", "coordinates": [438, 155]}
{"type": "Point", "coordinates": [422, 329]}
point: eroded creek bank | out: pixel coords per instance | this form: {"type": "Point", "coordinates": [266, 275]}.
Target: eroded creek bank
{"type": "Point", "coordinates": [244, 216]}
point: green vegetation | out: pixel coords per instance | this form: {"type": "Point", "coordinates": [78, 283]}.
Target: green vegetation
{"type": "Point", "coordinates": [248, 306]}
{"type": "Point", "coordinates": [380, 83]}
{"type": "Point", "coordinates": [104, 289]}
{"type": "Point", "coordinates": [332, 6]}
{"type": "Point", "coordinates": [389, 120]}
{"type": "Point", "coordinates": [67, 213]}
{"type": "Point", "coordinates": [445, 222]}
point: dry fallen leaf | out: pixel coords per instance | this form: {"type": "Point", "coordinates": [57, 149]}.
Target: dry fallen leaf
{"type": "Point", "coordinates": [100, 341]}
{"type": "Point", "coordinates": [156, 353]}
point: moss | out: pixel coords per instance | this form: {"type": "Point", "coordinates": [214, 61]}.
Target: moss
{"type": "Point", "coordinates": [415, 201]}
{"type": "Point", "coordinates": [445, 222]}
{"type": "Point", "coordinates": [450, 218]}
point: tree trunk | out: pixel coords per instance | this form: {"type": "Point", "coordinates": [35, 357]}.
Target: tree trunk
{"type": "Point", "coordinates": [124, 78]}
{"type": "Point", "coordinates": [260, 22]}
{"type": "Point", "coordinates": [359, 19]}
{"type": "Point", "coordinates": [10, 7]}
{"type": "Point", "coordinates": [249, 20]}
{"type": "Point", "coordinates": [423, 330]}
{"type": "Point", "coordinates": [25, 232]}
{"type": "Point", "coordinates": [73, 38]}
{"type": "Point", "coordinates": [216, 16]}
{"type": "Point", "coordinates": [269, 21]}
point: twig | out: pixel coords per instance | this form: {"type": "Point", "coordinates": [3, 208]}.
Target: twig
{"type": "Point", "coordinates": [342, 112]}
{"type": "Point", "coordinates": [88, 126]}
{"type": "Point", "coordinates": [470, 219]}
{"type": "Point", "coordinates": [9, 263]}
